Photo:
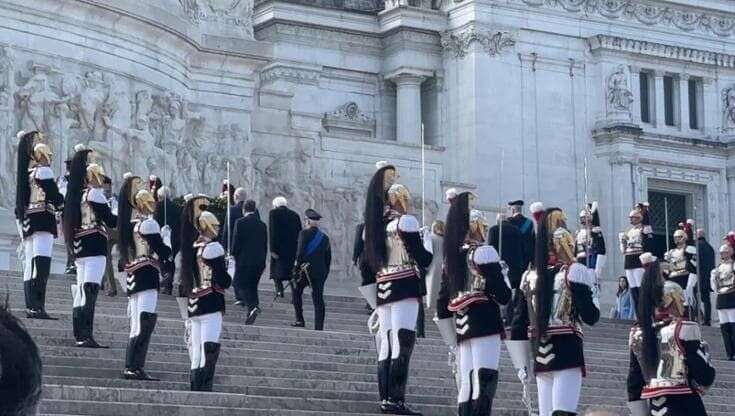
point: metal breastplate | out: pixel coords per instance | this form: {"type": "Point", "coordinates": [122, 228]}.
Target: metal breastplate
{"type": "Point", "coordinates": [38, 196]}
{"type": "Point", "coordinates": [677, 262]}
{"type": "Point", "coordinates": [142, 248]}
{"type": "Point", "coordinates": [561, 308]}
{"type": "Point", "coordinates": [397, 257]}
{"type": "Point", "coordinates": [205, 272]}
{"type": "Point", "coordinates": [672, 369]}
{"type": "Point", "coordinates": [635, 343]}
{"type": "Point", "coordinates": [89, 219]}
{"type": "Point", "coordinates": [581, 243]}
{"type": "Point", "coordinates": [725, 278]}
{"type": "Point", "coordinates": [474, 281]}
{"type": "Point", "coordinates": [634, 241]}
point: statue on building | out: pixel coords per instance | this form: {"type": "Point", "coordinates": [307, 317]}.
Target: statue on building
{"type": "Point", "coordinates": [619, 97]}
{"type": "Point", "coordinates": [728, 109]}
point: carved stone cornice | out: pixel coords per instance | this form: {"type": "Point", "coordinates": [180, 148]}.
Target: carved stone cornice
{"type": "Point", "coordinates": [458, 43]}
{"type": "Point", "coordinates": [648, 12]}
{"type": "Point", "coordinates": [660, 50]}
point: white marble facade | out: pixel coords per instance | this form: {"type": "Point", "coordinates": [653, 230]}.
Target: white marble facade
{"type": "Point", "coordinates": [303, 96]}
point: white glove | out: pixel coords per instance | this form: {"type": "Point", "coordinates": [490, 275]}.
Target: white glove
{"type": "Point", "coordinates": [19, 226]}
{"type": "Point", "coordinates": [408, 224]}
{"type": "Point", "coordinates": [166, 235]}
{"type": "Point", "coordinates": [714, 278]}
{"type": "Point", "coordinates": [230, 266]}
{"type": "Point", "coordinates": [623, 240]}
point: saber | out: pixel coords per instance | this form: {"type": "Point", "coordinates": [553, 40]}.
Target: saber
{"type": "Point", "coordinates": [587, 210]}
{"type": "Point", "coordinates": [500, 204]}
{"type": "Point", "coordinates": [697, 298]}
{"type": "Point", "coordinates": [423, 178]}
{"type": "Point", "coordinates": [229, 237]}
{"type": "Point", "coordinates": [666, 221]}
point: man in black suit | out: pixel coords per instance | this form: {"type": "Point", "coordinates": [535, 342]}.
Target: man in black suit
{"type": "Point", "coordinates": [284, 226]}
{"type": "Point", "coordinates": [169, 214]}
{"type": "Point", "coordinates": [314, 256]}
{"type": "Point", "coordinates": [236, 212]}
{"type": "Point", "coordinates": [249, 248]}
{"type": "Point", "coordinates": [706, 256]}
{"type": "Point", "coordinates": [517, 312]}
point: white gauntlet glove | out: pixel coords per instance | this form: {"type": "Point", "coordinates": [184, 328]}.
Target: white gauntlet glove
{"type": "Point", "coordinates": [166, 235]}
{"type": "Point", "coordinates": [230, 266]}
{"type": "Point", "coordinates": [408, 224]}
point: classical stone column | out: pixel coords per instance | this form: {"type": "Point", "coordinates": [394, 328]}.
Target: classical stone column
{"type": "Point", "coordinates": [684, 101]}
{"type": "Point", "coordinates": [712, 122]}
{"type": "Point", "coordinates": [730, 172]}
{"type": "Point", "coordinates": [635, 89]}
{"type": "Point", "coordinates": [660, 99]}
{"type": "Point", "coordinates": [408, 107]}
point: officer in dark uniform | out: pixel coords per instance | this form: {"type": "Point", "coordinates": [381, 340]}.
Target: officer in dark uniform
{"type": "Point", "coordinates": [313, 257]}
{"type": "Point", "coordinates": [511, 252]}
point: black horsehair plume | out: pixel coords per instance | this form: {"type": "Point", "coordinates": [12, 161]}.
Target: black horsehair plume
{"type": "Point", "coordinates": [651, 293]}
{"type": "Point", "coordinates": [545, 285]}
{"type": "Point", "coordinates": [375, 202]}
{"type": "Point", "coordinates": [124, 215]}
{"type": "Point", "coordinates": [23, 190]}
{"type": "Point", "coordinates": [74, 191]}
{"type": "Point", "coordinates": [455, 230]}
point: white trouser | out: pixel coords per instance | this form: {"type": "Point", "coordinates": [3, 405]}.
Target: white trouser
{"type": "Point", "coordinates": [204, 328]}
{"type": "Point", "coordinates": [184, 312]}
{"type": "Point", "coordinates": [474, 354]}
{"type": "Point", "coordinates": [392, 317]}
{"type": "Point", "coordinates": [89, 270]}
{"type": "Point", "coordinates": [726, 316]}
{"type": "Point", "coordinates": [39, 243]}
{"type": "Point", "coordinates": [145, 301]}
{"type": "Point", "coordinates": [559, 390]}
{"type": "Point", "coordinates": [635, 276]}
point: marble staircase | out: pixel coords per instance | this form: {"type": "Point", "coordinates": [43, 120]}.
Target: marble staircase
{"type": "Point", "coordinates": [272, 369]}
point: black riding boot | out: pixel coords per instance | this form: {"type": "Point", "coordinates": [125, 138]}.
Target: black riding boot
{"type": "Point", "coordinates": [129, 371]}
{"type": "Point", "coordinates": [195, 379]}
{"type": "Point", "coordinates": [634, 291]}
{"type": "Point", "coordinates": [211, 354]}
{"type": "Point", "coordinates": [488, 379]}
{"type": "Point", "coordinates": [562, 413]}
{"type": "Point", "coordinates": [86, 322]}
{"type": "Point", "coordinates": [464, 409]}
{"type": "Point", "coordinates": [140, 349]}
{"type": "Point", "coordinates": [732, 339]}
{"type": "Point", "coordinates": [727, 338]}
{"type": "Point", "coordinates": [399, 374]}
{"type": "Point", "coordinates": [42, 270]}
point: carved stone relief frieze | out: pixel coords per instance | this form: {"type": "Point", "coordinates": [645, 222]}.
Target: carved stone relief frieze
{"type": "Point", "coordinates": [131, 125]}
{"type": "Point", "coordinates": [458, 43]}
{"type": "Point", "coordinates": [647, 12]}
{"type": "Point", "coordinates": [237, 13]}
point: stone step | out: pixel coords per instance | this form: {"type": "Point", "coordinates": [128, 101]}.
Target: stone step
{"type": "Point", "coordinates": [273, 369]}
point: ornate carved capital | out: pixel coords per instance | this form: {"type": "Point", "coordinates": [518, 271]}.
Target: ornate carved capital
{"type": "Point", "coordinates": [458, 43]}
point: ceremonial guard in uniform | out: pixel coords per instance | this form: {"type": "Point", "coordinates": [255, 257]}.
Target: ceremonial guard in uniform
{"type": "Point", "coordinates": [143, 256]}
{"type": "Point", "coordinates": [396, 256]}
{"type": "Point", "coordinates": [669, 360]}
{"type": "Point", "coordinates": [87, 220]}
{"type": "Point", "coordinates": [589, 243]}
{"type": "Point", "coordinates": [560, 294]}
{"type": "Point", "coordinates": [681, 262]}
{"type": "Point", "coordinates": [634, 242]}
{"type": "Point", "coordinates": [468, 307]}
{"type": "Point", "coordinates": [205, 276]}
{"type": "Point", "coordinates": [723, 283]}
{"type": "Point", "coordinates": [37, 201]}
{"type": "Point", "coordinates": [313, 262]}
